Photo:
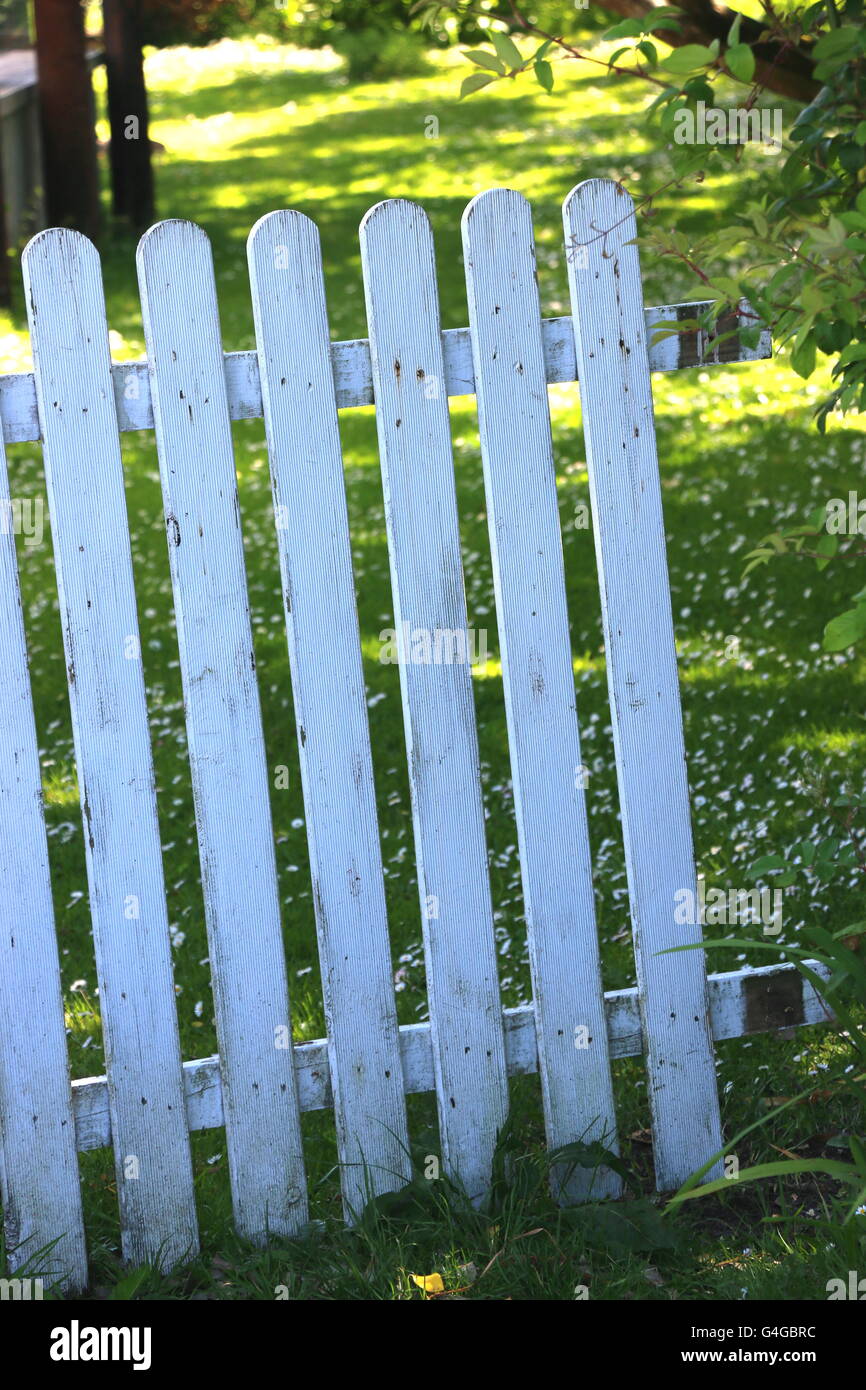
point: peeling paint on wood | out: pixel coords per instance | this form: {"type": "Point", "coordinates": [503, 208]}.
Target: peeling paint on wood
{"type": "Point", "coordinates": [330, 705]}
{"type": "Point", "coordinates": [643, 681]}
{"type": "Point", "coordinates": [224, 731]}
{"type": "Point", "coordinates": [535, 645]}
{"type": "Point", "coordinates": [41, 1199]}
{"type": "Point", "coordinates": [438, 709]}
{"type": "Point", "coordinates": [90, 534]}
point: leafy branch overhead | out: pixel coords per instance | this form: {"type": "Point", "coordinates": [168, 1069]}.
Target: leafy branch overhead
{"type": "Point", "coordinates": [796, 253]}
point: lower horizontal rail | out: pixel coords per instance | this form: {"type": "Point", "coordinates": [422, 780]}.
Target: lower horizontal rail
{"type": "Point", "coordinates": [764, 1000]}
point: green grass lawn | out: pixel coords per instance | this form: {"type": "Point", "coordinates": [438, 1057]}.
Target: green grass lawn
{"type": "Point", "coordinates": [247, 129]}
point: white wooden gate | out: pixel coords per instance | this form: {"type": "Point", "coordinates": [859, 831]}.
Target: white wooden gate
{"type": "Point", "coordinates": [188, 391]}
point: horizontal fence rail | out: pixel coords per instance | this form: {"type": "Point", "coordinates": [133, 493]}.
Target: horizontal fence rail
{"type": "Point", "coordinates": [769, 998]}
{"type": "Point", "coordinates": [353, 374]}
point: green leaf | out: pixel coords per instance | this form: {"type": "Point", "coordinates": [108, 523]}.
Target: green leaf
{"type": "Point", "coordinates": [845, 630]}
{"type": "Point", "coordinates": [829, 848]}
{"type": "Point", "coordinates": [507, 49]}
{"type": "Point", "coordinates": [621, 1228]}
{"type": "Point", "coordinates": [626, 29]}
{"type": "Point", "coordinates": [734, 33]}
{"type": "Point", "coordinates": [544, 74]}
{"type": "Point", "coordinates": [837, 43]}
{"type": "Point", "coordinates": [740, 60]}
{"type": "Point", "coordinates": [474, 82]}
{"type": "Point", "coordinates": [826, 546]}
{"type": "Point", "coordinates": [803, 355]}
{"type": "Point", "coordinates": [688, 58]}
{"type": "Point", "coordinates": [649, 51]}
{"type": "Point", "coordinates": [482, 59]}
{"type": "Point", "coordinates": [855, 352]}
{"type": "Point", "coordinates": [767, 861]}
{"type": "Point", "coordinates": [843, 1171]}
{"type": "Point", "coordinates": [126, 1288]}
{"type": "Point", "coordinates": [614, 58]}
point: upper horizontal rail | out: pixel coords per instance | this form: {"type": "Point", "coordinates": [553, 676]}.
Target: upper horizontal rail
{"type": "Point", "coordinates": [353, 375]}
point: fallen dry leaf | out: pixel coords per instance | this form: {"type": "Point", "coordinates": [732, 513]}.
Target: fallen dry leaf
{"type": "Point", "coordinates": [642, 1136]}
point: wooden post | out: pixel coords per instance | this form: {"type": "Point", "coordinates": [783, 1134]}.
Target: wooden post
{"type": "Point", "coordinates": [131, 170]}
{"type": "Point", "coordinates": [66, 111]}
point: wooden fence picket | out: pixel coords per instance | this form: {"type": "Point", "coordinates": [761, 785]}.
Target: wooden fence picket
{"type": "Point", "coordinates": [224, 730]}
{"type": "Point", "coordinates": [87, 505]}
{"type": "Point", "coordinates": [39, 1180]}
{"type": "Point", "coordinates": [438, 708]}
{"type": "Point", "coordinates": [535, 646]}
{"type": "Point", "coordinates": [309, 493]}
{"type": "Point", "coordinates": [625, 492]}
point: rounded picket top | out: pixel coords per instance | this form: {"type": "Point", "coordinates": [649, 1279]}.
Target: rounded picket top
{"type": "Point", "coordinates": [494, 202]}
{"type": "Point", "coordinates": [175, 238]}
{"type": "Point", "coordinates": [280, 239]}
{"type": "Point", "coordinates": [60, 251]}
{"type": "Point", "coordinates": [592, 192]}
{"type": "Point", "coordinates": [60, 237]}
{"type": "Point", "coordinates": [598, 217]}
{"type": "Point", "coordinates": [394, 218]}
{"type": "Point", "coordinates": [495, 221]}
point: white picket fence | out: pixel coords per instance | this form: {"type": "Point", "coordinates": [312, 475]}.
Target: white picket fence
{"type": "Point", "coordinates": [77, 402]}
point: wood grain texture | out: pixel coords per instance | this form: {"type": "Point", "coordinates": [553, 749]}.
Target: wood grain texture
{"type": "Point", "coordinates": [730, 995]}
{"type": "Point", "coordinates": [224, 730]}
{"type": "Point", "coordinates": [439, 713]}
{"type": "Point", "coordinates": [39, 1182]}
{"type": "Point", "coordinates": [90, 530]}
{"type": "Point", "coordinates": [353, 378]}
{"type": "Point", "coordinates": [540, 704]}
{"type": "Point", "coordinates": [330, 704]}
{"type": "Point", "coordinates": [625, 492]}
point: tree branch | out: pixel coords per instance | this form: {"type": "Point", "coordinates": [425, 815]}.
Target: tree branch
{"type": "Point", "coordinates": [781, 67]}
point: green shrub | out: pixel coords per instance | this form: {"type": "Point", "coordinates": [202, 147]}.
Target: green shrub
{"type": "Point", "coordinates": [375, 55]}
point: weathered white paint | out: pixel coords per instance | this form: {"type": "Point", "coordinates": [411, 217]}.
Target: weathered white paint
{"type": "Point", "coordinates": [77, 403]}
{"type": "Point", "coordinates": [730, 994]}
{"type": "Point", "coordinates": [38, 1165]}
{"type": "Point", "coordinates": [535, 647]}
{"type": "Point", "coordinates": [352, 371]}
{"type": "Point", "coordinates": [625, 494]}
{"type": "Point", "coordinates": [330, 704]}
{"type": "Point", "coordinates": [87, 505]}
{"type": "Point", "coordinates": [224, 729]}
{"type": "Point", "coordinates": [438, 709]}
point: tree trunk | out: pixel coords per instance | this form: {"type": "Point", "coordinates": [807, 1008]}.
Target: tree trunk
{"type": "Point", "coordinates": [785, 71]}
{"type": "Point", "coordinates": [5, 277]}
{"type": "Point", "coordinates": [129, 153]}
{"type": "Point", "coordinates": [67, 117]}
